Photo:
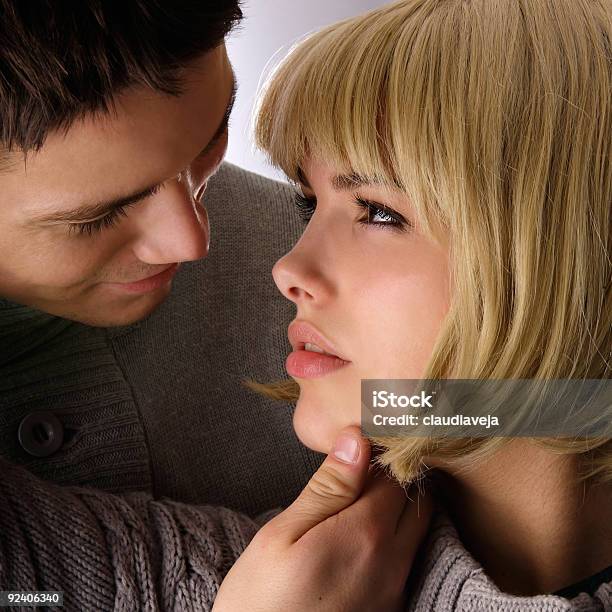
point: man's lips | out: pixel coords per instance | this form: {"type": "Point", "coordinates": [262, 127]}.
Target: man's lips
{"type": "Point", "coordinates": [150, 282]}
{"type": "Point", "coordinates": [320, 359]}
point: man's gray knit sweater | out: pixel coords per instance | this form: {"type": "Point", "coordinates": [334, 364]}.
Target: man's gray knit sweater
{"type": "Point", "coordinates": [132, 552]}
{"type": "Point", "coordinates": [121, 515]}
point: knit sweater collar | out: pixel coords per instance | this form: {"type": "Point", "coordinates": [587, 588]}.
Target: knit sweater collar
{"type": "Point", "coordinates": [23, 329]}
{"type": "Point", "coordinates": [448, 578]}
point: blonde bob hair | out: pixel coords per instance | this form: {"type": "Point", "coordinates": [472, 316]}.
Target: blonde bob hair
{"type": "Point", "coordinates": [495, 117]}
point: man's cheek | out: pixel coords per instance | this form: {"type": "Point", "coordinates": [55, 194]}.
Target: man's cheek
{"type": "Point", "coordinates": [58, 264]}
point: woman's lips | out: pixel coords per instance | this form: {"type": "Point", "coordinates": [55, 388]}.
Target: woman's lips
{"type": "Point", "coordinates": [321, 358]}
{"type": "Point", "coordinates": [308, 364]}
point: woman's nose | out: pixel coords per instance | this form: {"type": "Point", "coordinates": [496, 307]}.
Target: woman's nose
{"type": "Point", "coordinates": [300, 277]}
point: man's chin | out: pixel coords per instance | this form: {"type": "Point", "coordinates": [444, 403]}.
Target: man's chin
{"type": "Point", "coordinates": [102, 312]}
{"type": "Point", "coordinates": [120, 315]}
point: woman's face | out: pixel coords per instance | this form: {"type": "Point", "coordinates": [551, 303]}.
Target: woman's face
{"type": "Point", "coordinates": [372, 294]}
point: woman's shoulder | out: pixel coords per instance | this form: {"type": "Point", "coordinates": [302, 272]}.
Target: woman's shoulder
{"type": "Point", "coordinates": [447, 578]}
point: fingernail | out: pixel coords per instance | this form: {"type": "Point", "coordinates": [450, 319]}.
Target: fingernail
{"type": "Point", "coordinates": [346, 449]}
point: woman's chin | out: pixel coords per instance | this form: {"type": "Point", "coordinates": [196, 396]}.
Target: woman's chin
{"type": "Point", "coordinates": [313, 428]}
{"type": "Point", "coordinates": [314, 425]}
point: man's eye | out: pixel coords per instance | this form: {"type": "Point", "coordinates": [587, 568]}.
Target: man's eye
{"type": "Point", "coordinates": [111, 218]}
{"type": "Point", "coordinates": [97, 225]}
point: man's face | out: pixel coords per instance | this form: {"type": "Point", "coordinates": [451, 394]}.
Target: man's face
{"type": "Point", "coordinates": [62, 248]}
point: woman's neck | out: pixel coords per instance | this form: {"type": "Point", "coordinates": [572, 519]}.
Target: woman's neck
{"type": "Point", "coordinates": [524, 518]}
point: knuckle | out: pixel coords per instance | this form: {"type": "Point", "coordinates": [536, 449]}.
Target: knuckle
{"type": "Point", "coordinates": [328, 483]}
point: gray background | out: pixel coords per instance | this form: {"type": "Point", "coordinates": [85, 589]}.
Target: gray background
{"type": "Point", "coordinates": [268, 31]}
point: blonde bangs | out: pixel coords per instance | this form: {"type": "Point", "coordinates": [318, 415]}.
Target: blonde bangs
{"type": "Point", "coordinates": [334, 97]}
{"type": "Point", "coordinates": [494, 117]}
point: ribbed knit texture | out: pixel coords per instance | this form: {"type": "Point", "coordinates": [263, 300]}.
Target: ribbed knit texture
{"type": "Point", "coordinates": [447, 578]}
{"type": "Point", "coordinates": [50, 364]}
{"type": "Point", "coordinates": [110, 552]}
{"type": "Point", "coordinates": [131, 552]}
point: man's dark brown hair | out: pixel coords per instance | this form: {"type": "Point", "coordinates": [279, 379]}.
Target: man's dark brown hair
{"type": "Point", "coordinates": [61, 59]}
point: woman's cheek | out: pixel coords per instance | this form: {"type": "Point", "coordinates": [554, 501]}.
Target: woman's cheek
{"type": "Point", "coordinates": [313, 427]}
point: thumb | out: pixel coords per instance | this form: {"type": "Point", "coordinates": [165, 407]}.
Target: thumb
{"type": "Point", "coordinates": [335, 485]}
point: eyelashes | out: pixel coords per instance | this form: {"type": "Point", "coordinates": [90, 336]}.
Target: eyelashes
{"type": "Point", "coordinates": [374, 213]}
{"type": "Point", "coordinates": [109, 220]}
{"type": "Point", "coordinates": [305, 207]}
{"type": "Point", "coordinates": [93, 227]}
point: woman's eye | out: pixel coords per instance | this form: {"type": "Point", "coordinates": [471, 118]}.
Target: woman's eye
{"type": "Point", "coordinates": [377, 214]}
{"type": "Point", "coordinates": [380, 216]}
{"type": "Point", "coordinates": [374, 214]}
{"type": "Point", "coordinates": [305, 206]}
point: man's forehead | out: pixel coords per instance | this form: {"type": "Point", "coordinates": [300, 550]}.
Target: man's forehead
{"type": "Point", "coordinates": [148, 135]}
{"type": "Point", "coordinates": [9, 160]}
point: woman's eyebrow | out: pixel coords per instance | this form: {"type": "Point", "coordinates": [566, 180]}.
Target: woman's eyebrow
{"type": "Point", "coordinates": [348, 182]}
{"type": "Point", "coordinates": [340, 182]}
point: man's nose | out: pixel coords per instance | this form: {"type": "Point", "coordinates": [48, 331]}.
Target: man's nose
{"type": "Point", "coordinates": [171, 227]}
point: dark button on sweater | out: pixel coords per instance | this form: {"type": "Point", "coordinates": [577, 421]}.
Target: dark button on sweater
{"type": "Point", "coordinates": [40, 434]}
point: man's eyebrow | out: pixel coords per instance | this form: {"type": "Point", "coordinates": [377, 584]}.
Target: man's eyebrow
{"type": "Point", "coordinates": [87, 212]}
{"type": "Point", "coordinates": [90, 212]}
{"type": "Point", "coordinates": [224, 122]}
